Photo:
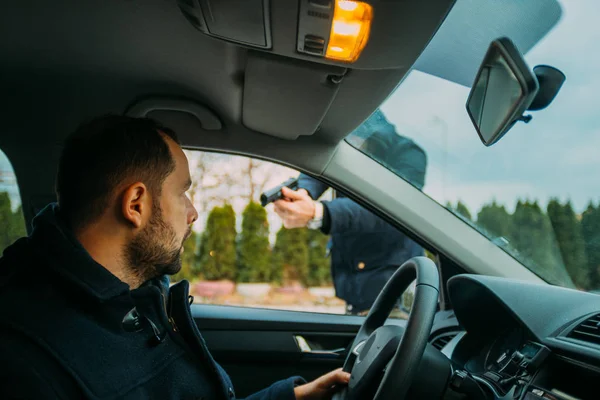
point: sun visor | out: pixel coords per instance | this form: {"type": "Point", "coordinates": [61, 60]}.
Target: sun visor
{"type": "Point", "coordinates": [287, 98]}
{"type": "Point", "coordinates": [455, 53]}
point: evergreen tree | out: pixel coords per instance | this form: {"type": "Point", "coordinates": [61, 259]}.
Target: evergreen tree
{"type": "Point", "coordinates": [290, 256]}
{"type": "Point", "coordinates": [533, 238]}
{"type": "Point", "coordinates": [408, 298]}
{"type": "Point", "coordinates": [495, 221]}
{"type": "Point", "coordinates": [12, 223]}
{"type": "Point", "coordinates": [6, 221]}
{"type": "Point", "coordinates": [254, 258]}
{"type": "Point", "coordinates": [590, 227]}
{"type": "Point", "coordinates": [319, 268]}
{"type": "Point", "coordinates": [189, 260]}
{"type": "Point", "coordinates": [567, 230]}
{"type": "Point", "coordinates": [217, 259]}
{"type": "Point", "coordinates": [462, 209]}
{"type": "Point", "coordinates": [202, 251]}
{"type": "Point", "coordinates": [18, 227]}
{"type": "Point", "coordinates": [196, 266]}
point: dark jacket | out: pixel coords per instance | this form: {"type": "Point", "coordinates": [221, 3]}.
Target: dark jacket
{"type": "Point", "coordinates": [69, 329]}
{"type": "Point", "coordinates": [366, 250]}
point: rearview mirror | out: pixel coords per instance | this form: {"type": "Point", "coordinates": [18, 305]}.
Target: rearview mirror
{"type": "Point", "coordinates": [503, 90]}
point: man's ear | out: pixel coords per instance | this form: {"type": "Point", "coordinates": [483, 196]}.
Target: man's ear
{"type": "Point", "coordinates": [136, 204]}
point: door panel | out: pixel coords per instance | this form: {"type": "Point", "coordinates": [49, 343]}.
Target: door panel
{"type": "Point", "coordinates": [280, 346]}
{"type": "Point", "coordinates": [259, 346]}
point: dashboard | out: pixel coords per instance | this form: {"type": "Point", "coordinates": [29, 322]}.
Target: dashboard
{"type": "Point", "coordinates": [523, 340]}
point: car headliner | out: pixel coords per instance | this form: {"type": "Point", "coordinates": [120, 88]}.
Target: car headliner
{"type": "Point", "coordinates": [64, 61]}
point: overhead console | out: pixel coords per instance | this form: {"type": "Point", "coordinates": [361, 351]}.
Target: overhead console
{"type": "Point", "coordinates": [299, 54]}
{"type": "Point", "coordinates": [371, 34]}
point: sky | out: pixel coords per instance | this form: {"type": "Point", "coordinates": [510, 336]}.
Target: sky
{"type": "Point", "coordinates": [555, 155]}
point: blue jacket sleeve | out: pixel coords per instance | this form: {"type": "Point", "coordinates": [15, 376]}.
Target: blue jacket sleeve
{"type": "Point", "coordinates": [347, 216]}
{"type": "Point", "coordinates": [280, 390]}
{"type": "Point", "coordinates": [314, 187]}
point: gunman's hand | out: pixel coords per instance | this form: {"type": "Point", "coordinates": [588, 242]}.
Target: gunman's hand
{"type": "Point", "coordinates": [296, 208]}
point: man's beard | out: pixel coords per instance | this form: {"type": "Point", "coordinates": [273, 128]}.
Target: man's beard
{"type": "Point", "coordinates": [154, 251]}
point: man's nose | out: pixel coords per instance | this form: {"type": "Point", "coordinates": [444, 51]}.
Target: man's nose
{"type": "Point", "coordinates": [193, 215]}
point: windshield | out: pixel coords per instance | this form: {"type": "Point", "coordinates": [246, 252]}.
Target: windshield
{"type": "Point", "coordinates": [535, 192]}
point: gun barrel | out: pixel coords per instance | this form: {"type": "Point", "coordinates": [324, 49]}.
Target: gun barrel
{"type": "Point", "coordinates": [275, 194]}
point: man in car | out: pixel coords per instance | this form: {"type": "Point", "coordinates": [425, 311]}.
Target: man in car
{"type": "Point", "coordinates": [365, 250]}
{"type": "Point", "coordinates": [85, 311]}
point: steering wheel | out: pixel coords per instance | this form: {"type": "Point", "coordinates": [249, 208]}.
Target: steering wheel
{"type": "Point", "coordinates": [392, 351]}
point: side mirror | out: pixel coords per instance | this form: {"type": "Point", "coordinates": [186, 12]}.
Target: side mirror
{"type": "Point", "coordinates": [503, 90]}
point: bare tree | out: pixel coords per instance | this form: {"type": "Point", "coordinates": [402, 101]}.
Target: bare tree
{"type": "Point", "coordinates": [221, 178]}
{"type": "Point", "coordinates": [211, 185]}
{"type": "Point", "coordinates": [255, 177]}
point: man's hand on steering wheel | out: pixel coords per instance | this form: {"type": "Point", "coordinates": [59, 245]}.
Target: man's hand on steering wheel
{"type": "Point", "coordinates": [322, 388]}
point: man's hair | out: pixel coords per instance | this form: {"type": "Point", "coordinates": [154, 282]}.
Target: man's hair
{"type": "Point", "coordinates": [104, 153]}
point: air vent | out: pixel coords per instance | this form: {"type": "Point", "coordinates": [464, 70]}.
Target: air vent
{"type": "Point", "coordinates": [442, 340]}
{"type": "Point", "coordinates": [588, 330]}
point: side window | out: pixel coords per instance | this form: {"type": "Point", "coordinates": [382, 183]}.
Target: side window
{"type": "Point", "coordinates": [240, 253]}
{"type": "Point", "coordinates": [12, 223]}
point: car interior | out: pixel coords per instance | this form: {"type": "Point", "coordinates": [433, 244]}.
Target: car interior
{"type": "Point", "coordinates": [261, 78]}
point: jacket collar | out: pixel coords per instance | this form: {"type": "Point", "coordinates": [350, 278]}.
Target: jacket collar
{"type": "Point", "coordinates": [63, 253]}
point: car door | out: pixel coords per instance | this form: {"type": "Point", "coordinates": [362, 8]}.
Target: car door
{"type": "Point", "coordinates": [257, 347]}
{"type": "Point", "coordinates": [260, 346]}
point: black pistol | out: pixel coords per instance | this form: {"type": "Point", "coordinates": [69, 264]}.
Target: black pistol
{"type": "Point", "coordinates": [275, 194]}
